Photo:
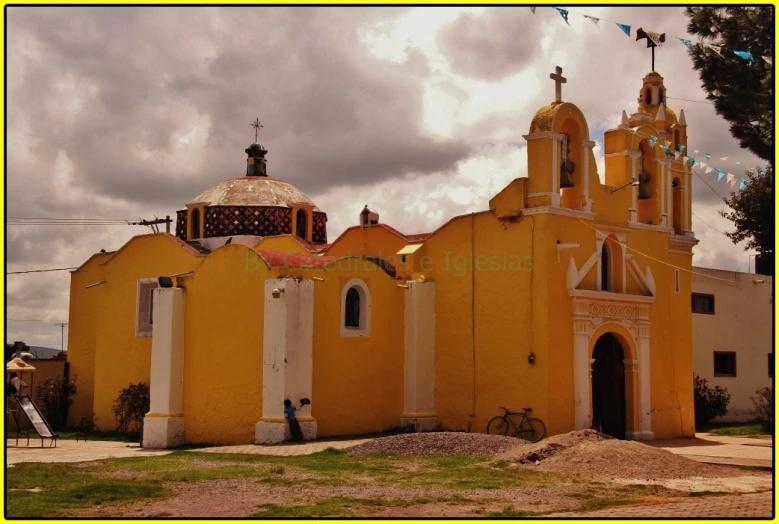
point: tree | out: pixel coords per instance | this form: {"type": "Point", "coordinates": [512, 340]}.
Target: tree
{"type": "Point", "coordinates": [753, 212]}
{"type": "Point", "coordinates": [742, 90]}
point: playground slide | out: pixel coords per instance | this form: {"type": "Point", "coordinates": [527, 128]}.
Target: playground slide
{"type": "Point", "coordinates": [36, 417]}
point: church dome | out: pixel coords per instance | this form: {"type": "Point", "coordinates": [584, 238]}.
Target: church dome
{"type": "Point", "coordinates": [254, 191]}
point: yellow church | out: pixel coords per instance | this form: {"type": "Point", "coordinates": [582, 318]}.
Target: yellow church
{"type": "Point", "coordinates": [565, 294]}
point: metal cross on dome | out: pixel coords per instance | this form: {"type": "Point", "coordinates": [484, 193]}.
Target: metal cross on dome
{"type": "Point", "coordinates": [558, 78]}
{"type": "Point", "coordinates": [256, 125]}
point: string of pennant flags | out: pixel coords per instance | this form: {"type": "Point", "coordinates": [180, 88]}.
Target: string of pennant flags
{"type": "Point", "coordinates": [658, 38]}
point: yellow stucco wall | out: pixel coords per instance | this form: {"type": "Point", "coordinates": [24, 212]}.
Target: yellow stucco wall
{"type": "Point", "coordinates": [82, 329]}
{"type": "Point", "coordinates": [372, 240]}
{"type": "Point", "coordinates": [282, 243]}
{"type": "Point", "coordinates": [121, 357]}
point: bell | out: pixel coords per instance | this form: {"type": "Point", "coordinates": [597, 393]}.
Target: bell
{"type": "Point", "coordinates": [565, 168]}
{"type": "Point", "coordinates": [643, 190]}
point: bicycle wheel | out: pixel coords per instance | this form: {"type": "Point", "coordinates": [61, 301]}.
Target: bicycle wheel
{"type": "Point", "coordinates": [498, 426]}
{"type": "Point", "coordinates": [532, 430]}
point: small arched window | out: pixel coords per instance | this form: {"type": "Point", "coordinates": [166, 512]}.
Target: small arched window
{"type": "Point", "coordinates": [302, 224]}
{"type": "Point", "coordinates": [605, 268]}
{"type": "Point", "coordinates": [195, 224]}
{"type": "Point", "coordinates": [355, 309]}
{"type": "Point", "coordinates": [352, 309]}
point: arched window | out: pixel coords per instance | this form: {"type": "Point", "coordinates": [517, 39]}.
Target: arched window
{"type": "Point", "coordinates": [352, 310]}
{"type": "Point", "coordinates": [355, 309]}
{"type": "Point", "coordinates": [302, 224]}
{"type": "Point", "coordinates": [648, 96]}
{"type": "Point", "coordinates": [195, 224]}
{"type": "Point", "coordinates": [605, 268]}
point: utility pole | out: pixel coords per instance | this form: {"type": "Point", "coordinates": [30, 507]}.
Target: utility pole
{"type": "Point", "coordinates": [62, 327]}
{"type": "Point", "coordinates": [154, 223]}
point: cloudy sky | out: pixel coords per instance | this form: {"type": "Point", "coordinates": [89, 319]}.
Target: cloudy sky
{"type": "Point", "coordinates": [127, 113]}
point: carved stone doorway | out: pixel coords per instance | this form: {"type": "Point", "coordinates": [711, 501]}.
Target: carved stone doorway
{"type": "Point", "coordinates": [608, 386]}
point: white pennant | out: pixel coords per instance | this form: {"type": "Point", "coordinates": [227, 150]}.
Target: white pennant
{"type": "Point", "coordinates": [708, 170]}
{"type": "Point", "coordinates": [724, 158]}
{"type": "Point", "coordinates": [695, 151]}
{"type": "Point", "coordinates": [769, 60]}
{"type": "Point", "coordinates": [731, 179]}
{"type": "Point", "coordinates": [703, 164]}
{"type": "Point", "coordinates": [592, 19]}
{"type": "Point", "coordinates": [715, 48]}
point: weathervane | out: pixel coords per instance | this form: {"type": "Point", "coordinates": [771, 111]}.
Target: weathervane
{"type": "Point", "coordinates": [652, 40]}
{"type": "Point", "coordinates": [256, 125]}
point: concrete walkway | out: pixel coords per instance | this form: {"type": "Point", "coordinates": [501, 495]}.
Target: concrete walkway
{"type": "Point", "coordinates": [73, 451]}
{"type": "Point", "coordinates": [716, 449]}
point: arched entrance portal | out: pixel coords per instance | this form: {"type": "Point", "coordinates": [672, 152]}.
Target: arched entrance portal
{"type": "Point", "coordinates": [608, 386]}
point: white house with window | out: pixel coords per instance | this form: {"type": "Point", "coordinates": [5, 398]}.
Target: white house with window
{"type": "Point", "coordinates": [733, 334]}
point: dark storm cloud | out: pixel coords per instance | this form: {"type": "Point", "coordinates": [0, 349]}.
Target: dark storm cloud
{"type": "Point", "coordinates": [491, 46]}
{"type": "Point", "coordinates": [332, 114]}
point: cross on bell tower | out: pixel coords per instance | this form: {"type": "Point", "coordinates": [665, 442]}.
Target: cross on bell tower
{"type": "Point", "coordinates": [558, 78]}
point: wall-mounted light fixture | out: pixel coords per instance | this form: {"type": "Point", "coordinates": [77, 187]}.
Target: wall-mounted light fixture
{"type": "Point", "coordinates": [633, 182]}
{"type": "Point", "coordinates": [276, 293]}
{"type": "Point", "coordinates": [165, 281]}
{"type": "Point", "coordinates": [531, 358]}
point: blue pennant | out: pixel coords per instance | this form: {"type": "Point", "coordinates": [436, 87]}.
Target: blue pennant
{"type": "Point", "coordinates": [708, 156]}
{"type": "Point", "coordinates": [686, 42]}
{"type": "Point", "coordinates": [762, 172]}
{"type": "Point", "coordinates": [691, 160]}
{"type": "Point", "coordinates": [746, 55]}
{"type": "Point", "coordinates": [664, 148]}
{"type": "Point", "coordinates": [652, 141]}
{"type": "Point", "coordinates": [743, 184]}
{"type": "Point", "coordinates": [720, 175]}
{"type": "Point", "coordinates": [681, 148]}
{"type": "Point", "coordinates": [564, 14]}
{"type": "Point", "coordinates": [624, 27]}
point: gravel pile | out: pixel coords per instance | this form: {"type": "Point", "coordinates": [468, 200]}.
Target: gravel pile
{"type": "Point", "coordinates": [591, 453]}
{"type": "Point", "coordinates": [439, 444]}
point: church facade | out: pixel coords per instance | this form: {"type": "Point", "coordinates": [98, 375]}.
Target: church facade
{"type": "Point", "coordinates": [566, 295]}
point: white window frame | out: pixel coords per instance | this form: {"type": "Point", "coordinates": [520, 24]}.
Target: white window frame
{"type": "Point", "coordinates": [143, 306]}
{"type": "Point", "coordinates": [364, 330]}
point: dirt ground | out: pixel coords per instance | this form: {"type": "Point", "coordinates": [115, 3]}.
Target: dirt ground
{"type": "Point", "coordinates": [594, 466]}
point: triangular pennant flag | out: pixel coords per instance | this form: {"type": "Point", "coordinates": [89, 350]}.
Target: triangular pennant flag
{"type": "Point", "coordinates": [592, 19]}
{"type": "Point", "coordinates": [751, 170]}
{"type": "Point", "coordinates": [743, 184]}
{"type": "Point", "coordinates": [708, 170]}
{"type": "Point", "coordinates": [564, 14]}
{"type": "Point", "coordinates": [716, 48]}
{"type": "Point", "coordinates": [739, 163]}
{"type": "Point", "coordinates": [695, 151]}
{"type": "Point", "coordinates": [718, 170]}
{"type": "Point", "coordinates": [746, 55]}
{"type": "Point", "coordinates": [691, 160]}
{"type": "Point", "coordinates": [698, 163]}
{"type": "Point", "coordinates": [731, 179]}
{"type": "Point", "coordinates": [768, 60]}
{"type": "Point", "coordinates": [681, 147]}
{"type": "Point", "coordinates": [703, 164]}
{"type": "Point", "coordinates": [533, 9]}
{"type": "Point", "coordinates": [677, 154]}
{"type": "Point", "coordinates": [652, 141]}
{"type": "Point", "coordinates": [625, 28]}
{"type": "Point", "coordinates": [686, 42]}
{"type": "Point", "coordinates": [720, 174]}
{"type": "Point", "coordinates": [724, 158]}
{"type": "Point", "coordinates": [664, 148]}
{"type": "Point", "coordinates": [762, 172]}
{"type": "Point", "coordinates": [708, 156]}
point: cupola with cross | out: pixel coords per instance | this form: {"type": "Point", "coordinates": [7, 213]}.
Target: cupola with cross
{"type": "Point", "coordinates": [561, 167]}
{"type": "Point", "coordinates": [247, 208]}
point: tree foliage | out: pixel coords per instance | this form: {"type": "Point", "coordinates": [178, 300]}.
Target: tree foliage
{"type": "Point", "coordinates": [55, 395]}
{"type": "Point", "coordinates": [709, 402]}
{"type": "Point", "coordinates": [763, 410]}
{"type": "Point", "coordinates": [752, 212]}
{"type": "Point", "coordinates": [742, 91]}
{"type": "Point", "coordinates": [130, 406]}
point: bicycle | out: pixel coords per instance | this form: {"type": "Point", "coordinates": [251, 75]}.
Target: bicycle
{"type": "Point", "coordinates": [530, 429]}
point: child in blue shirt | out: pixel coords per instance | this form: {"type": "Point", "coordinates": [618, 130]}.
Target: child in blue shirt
{"type": "Point", "coordinates": [294, 425]}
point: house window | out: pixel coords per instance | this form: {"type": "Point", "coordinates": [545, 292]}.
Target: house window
{"type": "Point", "coordinates": [771, 365]}
{"type": "Point", "coordinates": [605, 268]}
{"type": "Point", "coordinates": [144, 310]}
{"type": "Point", "coordinates": [724, 364]}
{"type": "Point", "coordinates": [702, 303]}
{"type": "Point", "coordinates": [355, 309]}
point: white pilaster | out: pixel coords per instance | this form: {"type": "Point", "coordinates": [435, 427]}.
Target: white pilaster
{"type": "Point", "coordinates": [587, 146]}
{"type": "Point", "coordinates": [164, 424]}
{"type": "Point", "coordinates": [642, 341]}
{"type": "Point", "coordinates": [287, 358]}
{"type": "Point", "coordinates": [419, 363]}
{"type": "Point", "coordinates": [581, 375]}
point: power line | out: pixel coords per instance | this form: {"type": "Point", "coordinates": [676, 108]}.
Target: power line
{"type": "Point", "coordinates": [25, 320]}
{"type": "Point", "coordinates": [41, 270]}
{"type": "Point", "coordinates": [66, 218]}
{"type": "Point", "coordinates": [712, 227]}
{"type": "Point", "coordinates": [688, 100]}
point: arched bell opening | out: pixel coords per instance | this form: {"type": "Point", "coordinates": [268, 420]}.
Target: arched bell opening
{"type": "Point", "coordinates": [571, 166]}
{"type": "Point", "coordinates": [648, 186]}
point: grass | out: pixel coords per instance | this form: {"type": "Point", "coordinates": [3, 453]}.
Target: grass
{"type": "Point", "coordinates": [597, 503]}
{"type": "Point", "coordinates": [342, 506]}
{"type": "Point", "coordinates": [511, 511]}
{"type": "Point", "coordinates": [733, 429]}
{"type": "Point", "coordinates": [65, 488]}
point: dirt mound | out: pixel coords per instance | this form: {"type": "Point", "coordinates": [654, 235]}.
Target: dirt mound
{"type": "Point", "coordinates": [439, 444]}
{"type": "Point", "coordinates": [591, 453]}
